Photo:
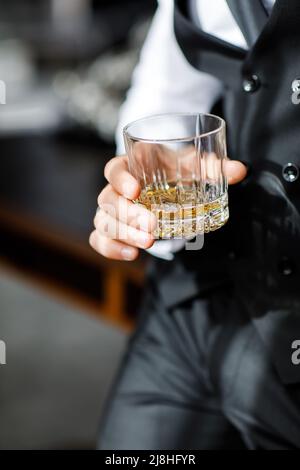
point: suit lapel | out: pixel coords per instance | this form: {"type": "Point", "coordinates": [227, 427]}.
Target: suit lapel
{"type": "Point", "coordinates": [250, 16]}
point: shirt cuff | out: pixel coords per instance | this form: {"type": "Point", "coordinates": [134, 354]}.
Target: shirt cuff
{"type": "Point", "coordinates": [165, 249]}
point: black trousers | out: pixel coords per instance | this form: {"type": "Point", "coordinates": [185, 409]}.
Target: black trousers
{"type": "Point", "coordinates": [197, 376]}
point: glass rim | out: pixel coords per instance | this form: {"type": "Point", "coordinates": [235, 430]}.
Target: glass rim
{"type": "Point", "coordinates": [126, 132]}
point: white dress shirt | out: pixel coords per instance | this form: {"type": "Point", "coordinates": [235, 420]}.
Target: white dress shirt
{"type": "Point", "coordinates": [163, 80]}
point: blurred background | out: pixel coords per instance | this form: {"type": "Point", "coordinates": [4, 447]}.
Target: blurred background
{"type": "Point", "coordinates": [65, 313]}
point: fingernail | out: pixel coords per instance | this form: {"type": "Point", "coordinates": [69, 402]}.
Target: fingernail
{"type": "Point", "coordinates": [128, 254]}
{"type": "Point", "coordinates": [127, 190]}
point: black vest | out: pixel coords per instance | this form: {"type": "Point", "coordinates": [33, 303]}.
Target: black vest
{"type": "Point", "coordinates": [258, 252]}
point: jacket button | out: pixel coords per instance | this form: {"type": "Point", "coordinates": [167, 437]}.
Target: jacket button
{"type": "Point", "coordinates": [290, 172]}
{"type": "Point", "coordinates": [285, 266]}
{"type": "Point", "coordinates": [251, 84]}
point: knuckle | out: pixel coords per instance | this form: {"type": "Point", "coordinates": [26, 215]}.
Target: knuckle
{"type": "Point", "coordinates": [95, 221]}
{"type": "Point", "coordinates": [113, 163]}
{"type": "Point", "coordinates": [92, 240]}
{"type": "Point", "coordinates": [103, 194]}
{"type": "Point", "coordinates": [100, 218]}
{"type": "Point", "coordinates": [105, 247]}
{"type": "Point", "coordinates": [108, 167]}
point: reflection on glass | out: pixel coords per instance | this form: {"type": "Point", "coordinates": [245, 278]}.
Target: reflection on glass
{"type": "Point", "coordinates": [178, 161]}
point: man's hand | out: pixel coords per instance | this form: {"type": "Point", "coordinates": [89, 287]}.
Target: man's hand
{"type": "Point", "coordinates": [122, 227]}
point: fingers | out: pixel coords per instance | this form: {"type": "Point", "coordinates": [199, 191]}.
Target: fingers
{"type": "Point", "coordinates": [110, 227]}
{"type": "Point", "coordinates": [126, 211]}
{"type": "Point", "coordinates": [112, 249]}
{"type": "Point", "coordinates": [122, 226]}
{"type": "Point", "coordinates": [235, 171]}
{"type": "Point", "coordinates": [117, 174]}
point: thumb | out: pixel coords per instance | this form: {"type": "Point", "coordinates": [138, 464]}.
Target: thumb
{"type": "Point", "coordinates": [235, 171]}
